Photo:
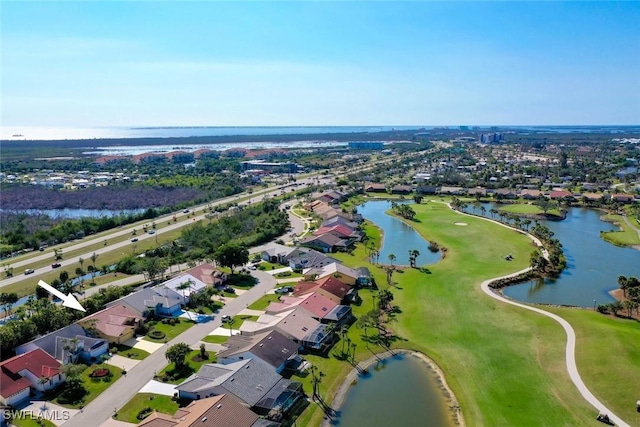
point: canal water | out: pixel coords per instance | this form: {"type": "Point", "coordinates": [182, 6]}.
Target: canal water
{"type": "Point", "coordinates": [593, 265]}
{"type": "Point", "coordinates": [399, 238]}
{"type": "Point", "coordinates": [402, 391]}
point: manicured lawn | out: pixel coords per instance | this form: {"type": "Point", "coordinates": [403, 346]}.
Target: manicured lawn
{"type": "Point", "coordinates": [130, 352]}
{"type": "Point", "coordinates": [627, 236]}
{"type": "Point", "coordinates": [94, 386]}
{"type": "Point", "coordinates": [170, 331]}
{"type": "Point", "coordinates": [264, 301]}
{"type": "Point", "coordinates": [30, 422]}
{"type": "Point", "coordinates": [608, 357]}
{"type": "Point", "coordinates": [129, 412]}
{"type": "Point", "coordinates": [526, 208]}
{"type": "Point", "coordinates": [266, 266]}
{"type": "Point", "coordinates": [505, 365]}
{"type": "Point", "coordinates": [216, 339]}
{"type": "Point", "coordinates": [237, 321]}
{"type": "Point", "coordinates": [287, 275]}
{"type": "Point", "coordinates": [192, 364]}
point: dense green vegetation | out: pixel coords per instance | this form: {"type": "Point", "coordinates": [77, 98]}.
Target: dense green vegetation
{"type": "Point", "coordinates": [41, 316]}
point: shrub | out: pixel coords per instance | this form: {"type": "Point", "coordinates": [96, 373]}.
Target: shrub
{"type": "Point", "coordinates": [100, 372]}
{"type": "Point", "coordinates": [144, 413]}
{"type": "Point", "coordinates": [156, 335]}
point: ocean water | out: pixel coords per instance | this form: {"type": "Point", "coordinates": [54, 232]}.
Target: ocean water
{"type": "Point", "coordinates": [61, 133]}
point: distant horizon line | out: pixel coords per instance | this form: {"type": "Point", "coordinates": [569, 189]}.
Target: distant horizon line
{"type": "Point", "coordinates": [317, 126]}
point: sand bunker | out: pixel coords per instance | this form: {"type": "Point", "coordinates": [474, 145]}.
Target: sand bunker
{"type": "Point", "coordinates": [460, 223]}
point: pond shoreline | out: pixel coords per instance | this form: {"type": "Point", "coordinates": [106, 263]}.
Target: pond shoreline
{"type": "Point", "coordinates": [453, 407]}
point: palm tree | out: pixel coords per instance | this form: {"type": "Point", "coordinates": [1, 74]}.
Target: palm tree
{"type": "Point", "coordinates": [413, 255]}
{"type": "Point", "coordinates": [81, 262]}
{"type": "Point", "coordinates": [182, 287]}
{"type": "Point", "coordinates": [483, 210]}
{"type": "Point", "coordinates": [623, 282]}
{"type": "Point", "coordinates": [392, 258]}
{"type": "Point", "coordinates": [493, 212]}
{"type": "Point", "coordinates": [94, 257]}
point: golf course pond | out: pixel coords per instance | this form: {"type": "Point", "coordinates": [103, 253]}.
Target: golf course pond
{"type": "Point", "coordinates": [401, 390]}
{"type": "Point", "coordinates": [593, 265]}
{"type": "Point", "coordinates": [398, 237]}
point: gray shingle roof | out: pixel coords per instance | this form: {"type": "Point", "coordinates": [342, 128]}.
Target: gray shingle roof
{"type": "Point", "coordinates": [272, 347]}
{"type": "Point", "coordinates": [150, 298]}
{"type": "Point", "coordinates": [53, 343]}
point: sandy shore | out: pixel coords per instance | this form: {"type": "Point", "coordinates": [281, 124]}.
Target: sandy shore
{"type": "Point", "coordinates": [352, 377]}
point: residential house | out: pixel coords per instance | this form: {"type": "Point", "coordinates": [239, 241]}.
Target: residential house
{"type": "Point", "coordinates": [324, 310]}
{"type": "Point", "coordinates": [327, 243]}
{"type": "Point", "coordinates": [339, 271]}
{"type": "Point", "coordinates": [593, 197]}
{"type": "Point", "coordinates": [277, 253]}
{"type": "Point", "coordinates": [364, 277]}
{"type": "Point", "coordinates": [427, 189]}
{"type": "Point", "coordinates": [329, 287]}
{"type": "Point", "coordinates": [195, 286]}
{"type": "Point", "coordinates": [560, 195]}
{"type": "Point", "coordinates": [401, 189]}
{"type": "Point", "coordinates": [295, 324]}
{"type": "Point", "coordinates": [451, 190]}
{"type": "Point", "coordinates": [309, 258]}
{"type": "Point", "coordinates": [622, 198]}
{"type": "Point", "coordinates": [33, 370]}
{"type": "Point", "coordinates": [477, 191]}
{"type": "Point", "coordinates": [160, 301]}
{"type": "Point", "coordinates": [220, 411]}
{"type": "Point", "coordinates": [338, 220]}
{"type": "Point", "coordinates": [271, 347]}
{"type": "Point", "coordinates": [208, 274]}
{"type": "Point", "coordinates": [341, 231]}
{"type": "Point", "coordinates": [68, 345]}
{"type": "Point", "coordinates": [116, 324]}
{"type": "Point", "coordinates": [373, 187]}
{"type": "Point", "coordinates": [531, 194]}
{"type": "Point", "coordinates": [504, 193]}
{"type": "Point", "coordinates": [252, 381]}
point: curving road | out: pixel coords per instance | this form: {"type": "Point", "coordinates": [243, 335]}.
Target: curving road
{"type": "Point", "coordinates": [570, 351]}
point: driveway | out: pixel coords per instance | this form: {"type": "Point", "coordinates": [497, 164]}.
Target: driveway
{"type": "Point", "coordinates": [142, 344]}
{"type": "Point", "coordinates": [157, 387]}
{"type": "Point", "coordinates": [121, 391]}
{"type": "Point", "coordinates": [49, 411]}
{"type": "Point", "coordinates": [122, 362]}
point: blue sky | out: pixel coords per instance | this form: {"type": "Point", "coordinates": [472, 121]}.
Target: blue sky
{"type": "Point", "coordinates": [147, 63]}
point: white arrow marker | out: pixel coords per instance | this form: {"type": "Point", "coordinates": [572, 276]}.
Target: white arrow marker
{"type": "Point", "coordinates": [67, 301]}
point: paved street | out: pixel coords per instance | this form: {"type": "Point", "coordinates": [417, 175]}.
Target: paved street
{"type": "Point", "coordinates": [127, 386]}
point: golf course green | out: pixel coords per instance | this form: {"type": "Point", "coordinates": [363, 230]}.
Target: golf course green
{"type": "Point", "coordinates": [505, 365]}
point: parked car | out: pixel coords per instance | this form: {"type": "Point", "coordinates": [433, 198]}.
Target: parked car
{"type": "Point", "coordinates": [185, 211]}
{"type": "Point", "coordinates": [284, 290]}
{"type": "Point", "coordinates": [151, 232]}
{"type": "Point", "coordinates": [29, 271]}
{"type": "Point", "coordinates": [55, 265]}
{"type": "Point", "coordinates": [226, 318]}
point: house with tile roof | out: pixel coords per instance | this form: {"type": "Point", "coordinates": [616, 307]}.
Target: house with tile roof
{"type": "Point", "coordinates": [33, 370]}
{"type": "Point", "coordinates": [253, 381]}
{"type": "Point", "coordinates": [116, 324]}
{"type": "Point", "coordinates": [220, 411]}
{"type": "Point", "coordinates": [68, 345]}
{"type": "Point", "coordinates": [339, 271]}
{"type": "Point", "coordinates": [271, 347]}
{"type": "Point", "coordinates": [207, 274]}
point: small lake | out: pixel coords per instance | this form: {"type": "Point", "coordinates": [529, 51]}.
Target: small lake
{"type": "Point", "coordinates": [75, 213]}
{"type": "Point", "coordinates": [593, 265]}
{"type": "Point", "coordinates": [399, 238]}
{"type": "Point", "coordinates": [401, 391]}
